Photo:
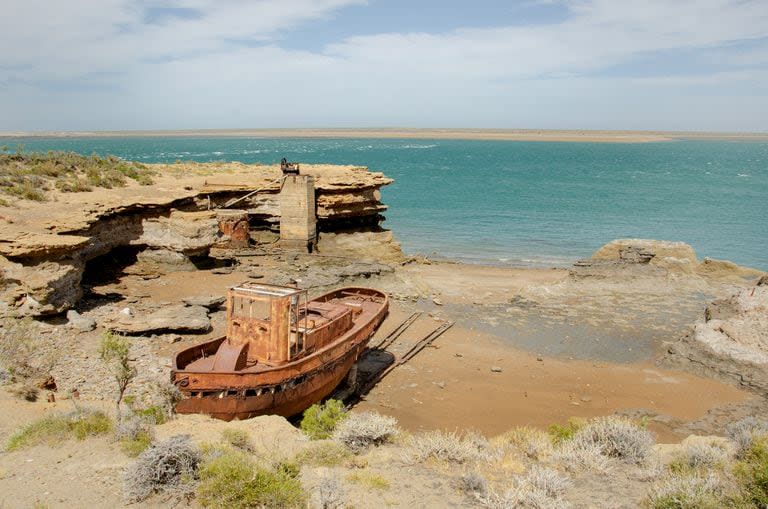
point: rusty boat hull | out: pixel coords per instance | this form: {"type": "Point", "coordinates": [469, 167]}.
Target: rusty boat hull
{"type": "Point", "coordinates": [285, 389]}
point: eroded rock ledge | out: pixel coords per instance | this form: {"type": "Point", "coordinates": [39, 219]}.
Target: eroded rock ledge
{"type": "Point", "coordinates": [45, 247]}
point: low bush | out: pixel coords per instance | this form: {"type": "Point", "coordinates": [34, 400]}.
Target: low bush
{"type": "Point", "coordinates": [24, 352]}
{"type": "Point", "coordinates": [541, 488]}
{"type": "Point", "coordinates": [320, 420]}
{"type": "Point", "coordinates": [615, 437]}
{"type": "Point", "coordinates": [168, 467]}
{"type": "Point", "coordinates": [473, 484]}
{"type": "Point", "coordinates": [362, 430]}
{"type": "Point", "coordinates": [451, 447]}
{"type": "Point", "coordinates": [700, 455]}
{"type": "Point", "coordinates": [231, 479]}
{"type": "Point", "coordinates": [582, 455]}
{"type": "Point", "coordinates": [696, 491]}
{"type": "Point", "coordinates": [54, 429]}
{"type": "Point", "coordinates": [744, 432]}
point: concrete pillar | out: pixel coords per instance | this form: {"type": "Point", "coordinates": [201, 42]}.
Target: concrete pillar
{"type": "Point", "coordinates": [298, 224]}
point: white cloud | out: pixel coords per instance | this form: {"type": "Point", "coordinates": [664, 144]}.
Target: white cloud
{"type": "Point", "coordinates": [186, 72]}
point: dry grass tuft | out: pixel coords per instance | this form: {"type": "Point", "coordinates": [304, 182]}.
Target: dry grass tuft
{"type": "Point", "coordinates": [532, 442]}
{"type": "Point", "coordinates": [701, 455]}
{"type": "Point", "coordinates": [362, 430]}
{"type": "Point", "coordinates": [54, 429]}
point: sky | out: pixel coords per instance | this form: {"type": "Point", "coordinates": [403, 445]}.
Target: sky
{"type": "Point", "coordinates": [540, 64]}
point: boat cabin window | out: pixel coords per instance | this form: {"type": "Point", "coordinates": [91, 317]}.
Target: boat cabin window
{"type": "Point", "coordinates": [254, 309]}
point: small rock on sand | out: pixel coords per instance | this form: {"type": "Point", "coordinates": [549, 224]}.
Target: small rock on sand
{"type": "Point", "coordinates": [496, 369]}
{"type": "Point", "coordinates": [80, 322]}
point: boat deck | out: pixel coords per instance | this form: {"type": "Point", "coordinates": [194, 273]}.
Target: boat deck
{"type": "Point", "coordinates": [313, 317]}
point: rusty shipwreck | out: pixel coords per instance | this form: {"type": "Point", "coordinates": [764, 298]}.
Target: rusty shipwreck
{"type": "Point", "coordinates": [282, 352]}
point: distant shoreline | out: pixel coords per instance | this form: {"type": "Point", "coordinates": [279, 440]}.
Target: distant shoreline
{"type": "Point", "coordinates": [602, 136]}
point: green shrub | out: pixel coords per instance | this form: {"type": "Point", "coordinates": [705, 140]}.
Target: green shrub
{"type": "Point", "coordinates": [560, 433]}
{"type": "Point", "coordinates": [752, 472]}
{"type": "Point", "coordinates": [688, 492]}
{"type": "Point", "coordinates": [54, 429]}
{"type": "Point", "coordinates": [231, 479]}
{"type": "Point", "coordinates": [320, 420]}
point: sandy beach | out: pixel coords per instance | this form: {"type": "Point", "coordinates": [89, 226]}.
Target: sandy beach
{"type": "Point", "coordinates": [602, 136]}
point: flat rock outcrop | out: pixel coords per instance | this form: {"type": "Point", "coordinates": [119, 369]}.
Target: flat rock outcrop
{"type": "Point", "coordinates": [45, 246]}
{"type": "Point", "coordinates": [176, 318]}
{"type": "Point", "coordinates": [731, 340]}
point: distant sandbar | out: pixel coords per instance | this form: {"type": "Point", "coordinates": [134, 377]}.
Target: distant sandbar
{"type": "Point", "coordinates": [413, 133]}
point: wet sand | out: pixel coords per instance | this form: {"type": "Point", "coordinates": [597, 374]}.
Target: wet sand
{"type": "Point", "coordinates": [452, 386]}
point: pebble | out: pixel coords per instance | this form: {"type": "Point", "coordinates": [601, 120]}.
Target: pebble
{"type": "Point", "coordinates": [496, 369]}
{"type": "Point", "coordinates": [440, 384]}
{"type": "Point", "coordinates": [437, 302]}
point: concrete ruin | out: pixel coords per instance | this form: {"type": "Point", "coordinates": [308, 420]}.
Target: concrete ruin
{"type": "Point", "coordinates": [298, 220]}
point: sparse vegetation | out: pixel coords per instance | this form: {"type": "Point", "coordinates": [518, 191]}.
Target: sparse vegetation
{"type": "Point", "coordinates": [114, 351]}
{"type": "Point", "coordinates": [54, 429]}
{"type": "Point", "coordinates": [168, 467]}
{"type": "Point", "coordinates": [23, 352]}
{"type": "Point", "coordinates": [330, 493]}
{"type": "Point", "coordinates": [320, 420]}
{"type": "Point", "coordinates": [745, 431]}
{"type": "Point", "coordinates": [361, 430]}
{"type": "Point", "coordinates": [229, 478]}
{"type": "Point", "coordinates": [28, 175]}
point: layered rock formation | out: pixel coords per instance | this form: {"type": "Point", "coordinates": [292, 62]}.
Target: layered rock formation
{"type": "Point", "coordinates": [672, 257]}
{"type": "Point", "coordinates": [45, 247]}
{"type": "Point", "coordinates": [731, 340]}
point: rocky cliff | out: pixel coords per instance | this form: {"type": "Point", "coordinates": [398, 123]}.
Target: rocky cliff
{"type": "Point", "coordinates": [45, 246]}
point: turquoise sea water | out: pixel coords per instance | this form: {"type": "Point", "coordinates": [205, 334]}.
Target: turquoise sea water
{"type": "Point", "coordinates": [522, 203]}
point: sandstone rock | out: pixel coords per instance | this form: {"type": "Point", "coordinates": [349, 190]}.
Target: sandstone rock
{"type": "Point", "coordinates": [179, 318]}
{"type": "Point", "coordinates": [733, 342]}
{"type": "Point", "coordinates": [161, 261]}
{"type": "Point", "coordinates": [379, 246]}
{"type": "Point", "coordinates": [82, 323]}
{"type": "Point", "coordinates": [725, 270]}
{"type": "Point", "coordinates": [496, 369]}
{"type": "Point", "coordinates": [207, 301]}
{"type": "Point", "coordinates": [38, 289]}
{"type": "Point", "coordinates": [673, 256]}
{"type": "Point", "coordinates": [190, 233]}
